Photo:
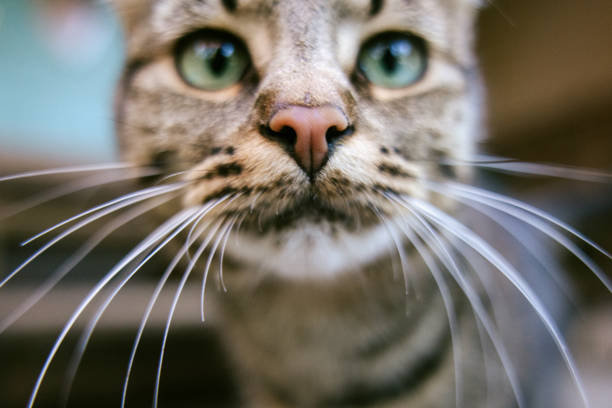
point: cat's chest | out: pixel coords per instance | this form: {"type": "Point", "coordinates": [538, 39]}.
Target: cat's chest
{"type": "Point", "coordinates": [319, 345]}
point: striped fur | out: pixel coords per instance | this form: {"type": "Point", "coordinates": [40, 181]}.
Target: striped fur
{"type": "Point", "coordinates": [316, 312]}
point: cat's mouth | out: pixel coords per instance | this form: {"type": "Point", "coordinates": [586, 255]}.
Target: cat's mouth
{"type": "Point", "coordinates": [310, 209]}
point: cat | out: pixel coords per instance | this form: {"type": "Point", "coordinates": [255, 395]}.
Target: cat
{"type": "Point", "coordinates": [321, 150]}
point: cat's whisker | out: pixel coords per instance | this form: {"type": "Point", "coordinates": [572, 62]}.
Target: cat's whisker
{"type": "Point", "coordinates": [260, 221]}
{"type": "Point", "coordinates": [222, 233]}
{"type": "Point", "coordinates": [447, 300]}
{"type": "Point", "coordinates": [85, 222]}
{"type": "Point", "coordinates": [76, 258]}
{"type": "Point", "coordinates": [68, 170]}
{"type": "Point", "coordinates": [506, 204]}
{"type": "Point", "coordinates": [486, 298]}
{"type": "Point", "coordinates": [488, 370]}
{"type": "Point", "coordinates": [511, 166]}
{"type": "Point", "coordinates": [189, 239]}
{"type": "Point", "coordinates": [172, 175]}
{"type": "Point", "coordinates": [160, 285]}
{"type": "Point", "coordinates": [196, 223]}
{"type": "Point", "coordinates": [175, 300]}
{"type": "Point", "coordinates": [223, 245]}
{"type": "Point", "coordinates": [398, 247]}
{"type": "Point", "coordinates": [149, 309]}
{"type": "Point", "coordinates": [431, 237]}
{"type": "Point", "coordinates": [137, 251]}
{"type": "Point", "coordinates": [72, 187]}
{"type": "Point", "coordinates": [255, 198]}
{"type": "Point", "coordinates": [142, 194]}
{"type": "Point", "coordinates": [532, 247]}
{"type": "Point", "coordinates": [186, 219]}
{"type": "Point", "coordinates": [466, 235]}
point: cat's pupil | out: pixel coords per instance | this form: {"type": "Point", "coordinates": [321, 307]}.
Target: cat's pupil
{"type": "Point", "coordinates": [220, 58]}
{"type": "Point", "coordinates": [389, 61]}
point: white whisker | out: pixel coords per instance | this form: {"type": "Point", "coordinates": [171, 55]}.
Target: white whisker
{"type": "Point", "coordinates": [428, 235]}
{"type": "Point", "coordinates": [398, 248]}
{"type": "Point", "coordinates": [179, 225]}
{"type": "Point", "coordinates": [73, 187]}
{"type": "Point", "coordinates": [488, 370]}
{"type": "Point", "coordinates": [87, 221]}
{"type": "Point", "coordinates": [505, 204]}
{"type": "Point", "coordinates": [150, 240]}
{"type": "Point", "coordinates": [224, 229]}
{"type": "Point", "coordinates": [496, 259]}
{"type": "Point", "coordinates": [531, 209]}
{"type": "Point", "coordinates": [532, 247]}
{"type": "Point", "coordinates": [147, 193]}
{"type": "Point", "coordinates": [67, 170]}
{"type": "Point", "coordinates": [77, 257]}
{"type": "Point", "coordinates": [512, 166]}
{"type": "Point", "coordinates": [252, 205]}
{"type": "Point", "coordinates": [222, 253]}
{"type": "Point", "coordinates": [484, 330]}
{"type": "Point", "coordinates": [172, 175]}
{"type": "Point", "coordinates": [190, 239]}
{"type": "Point", "coordinates": [160, 285]}
{"type": "Point", "coordinates": [447, 300]}
{"type": "Point", "coordinates": [177, 295]}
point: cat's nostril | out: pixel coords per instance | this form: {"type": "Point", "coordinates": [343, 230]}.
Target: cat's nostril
{"type": "Point", "coordinates": [309, 132]}
{"type": "Point", "coordinates": [288, 135]}
{"type": "Point", "coordinates": [333, 134]}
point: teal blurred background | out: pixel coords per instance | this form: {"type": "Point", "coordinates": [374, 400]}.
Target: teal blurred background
{"type": "Point", "coordinates": [58, 63]}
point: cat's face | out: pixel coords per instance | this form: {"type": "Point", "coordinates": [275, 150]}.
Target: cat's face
{"type": "Point", "coordinates": [302, 115]}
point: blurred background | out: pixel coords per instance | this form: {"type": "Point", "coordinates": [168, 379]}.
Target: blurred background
{"type": "Point", "coordinates": [548, 71]}
{"type": "Point", "coordinates": [60, 59]}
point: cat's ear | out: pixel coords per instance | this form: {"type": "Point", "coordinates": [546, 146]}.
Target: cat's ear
{"type": "Point", "coordinates": [130, 12]}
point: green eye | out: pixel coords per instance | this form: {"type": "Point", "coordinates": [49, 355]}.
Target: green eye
{"type": "Point", "coordinates": [211, 60]}
{"type": "Point", "coordinates": [393, 60]}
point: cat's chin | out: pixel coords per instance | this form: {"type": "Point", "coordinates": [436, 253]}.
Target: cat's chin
{"type": "Point", "coordinates": [310, 250]}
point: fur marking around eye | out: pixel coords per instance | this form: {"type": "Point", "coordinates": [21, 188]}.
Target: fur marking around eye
{"type": "Point", "coordinates": [376, 7]}
{"type": "Point", "coordinates": [230, 5]}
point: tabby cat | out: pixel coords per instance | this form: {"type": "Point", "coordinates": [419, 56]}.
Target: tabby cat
{"type": "Point", "coordinates": [313, 155]}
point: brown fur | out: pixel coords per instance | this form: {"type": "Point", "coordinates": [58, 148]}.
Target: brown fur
{"type": "Point", "coordinates": [301, 341]}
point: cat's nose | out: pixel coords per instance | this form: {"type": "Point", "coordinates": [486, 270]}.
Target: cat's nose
{"type": "Point", "coordinates": [310, 131]}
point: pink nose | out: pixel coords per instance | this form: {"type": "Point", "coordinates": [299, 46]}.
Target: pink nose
{"type": "Point", "coordinates": [314, 128]}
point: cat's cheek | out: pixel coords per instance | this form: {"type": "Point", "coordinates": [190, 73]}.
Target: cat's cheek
{"type": "Point", "coordinates": [257, 166]}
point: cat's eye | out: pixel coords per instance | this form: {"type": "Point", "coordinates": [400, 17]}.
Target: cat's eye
{"type": "Point", "coordinates": [393, 60]}
{"type": "Point", "coordinates": [211, 60]}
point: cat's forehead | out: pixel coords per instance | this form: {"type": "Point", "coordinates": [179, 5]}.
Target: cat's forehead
{"type": "Point", "coordinates": [352, 6]}
{"type": "Point", "coordinates": [276, 27]}
{"type": "Point", "coordinates": [153, 23]}
{"type": "Point", "coordinates": [368, 8]}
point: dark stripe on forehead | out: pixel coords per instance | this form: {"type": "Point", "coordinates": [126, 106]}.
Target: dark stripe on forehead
{"type": "Point", "coordinates": [376, 7]}
{"type": "Point", "coordinates": [230, 5]}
